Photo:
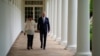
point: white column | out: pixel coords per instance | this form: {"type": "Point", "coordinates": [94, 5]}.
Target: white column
{"type": "Point", "coordinates": [55, 18]}
{"type": "Point", "coordinates": [96, 29]}
{"type": "Point", "coordinates": [53, 9]}
{"type": "Point", "coordinates": [64, 22]}
{"type": "Point", "coordinates": [50, 17]}
{"type": "Point", "coordinates": [47, 7]}
{"type": "Point", "coordinates": [59, 3]}
{"type": "Point", "coordinates": [52, 14]}
{"type": "Point", "coordinates": [72, 24]}
{"type": "Point", "coordinates": [83, 34]}
{"type": "Point", "coordinates": [55, 23]}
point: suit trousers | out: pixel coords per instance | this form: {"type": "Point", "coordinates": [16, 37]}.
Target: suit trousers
{"type": "Point", "coordinates": [43, 37]}
{"type": "Point", "coordinates": [29, 41]}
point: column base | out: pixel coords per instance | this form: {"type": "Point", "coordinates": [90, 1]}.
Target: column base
{"type": "Point", "coordinates": [50, 35]}
{"type": "Point", "coordinates": [83, 54]}
{"type": "Point", "coordinates": [71, 48]}
{"type": "Point", "coordinates": [58, 39]}
{"type": "Point", "coordinates": [64, 43]}
{"type": "Point", "coordinates": [54, 37]}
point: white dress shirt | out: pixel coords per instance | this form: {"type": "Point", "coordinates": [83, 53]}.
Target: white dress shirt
{"type": "Point", "coordinates": [43, 19]}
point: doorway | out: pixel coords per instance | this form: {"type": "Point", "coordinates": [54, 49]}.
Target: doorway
{"type": "Point", "coordinates": [34, 12]}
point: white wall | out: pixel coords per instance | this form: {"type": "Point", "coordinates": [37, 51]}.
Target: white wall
{"type": "Point", "coordinates": [10, 24]}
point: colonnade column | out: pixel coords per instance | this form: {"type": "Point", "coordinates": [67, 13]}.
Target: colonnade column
{"type": "Point", "coordinates": [47, 7]}
{"type": "Point", "coordinates": [53, 3]}
{"type": "Point", "coordinates": [59, 3]}
{"type": "Point", "coordinates": [83, 34]}
{"type": "Point", "coordinates": [55, 18]}
{"type": "Point", "coordinates": [72, 25]}
{"type": "Point", "coordinates": [52, 16]}
{"type": "Point", "coordinates": [50, 11]}
{"type": "Point", "coordinates": [49, 14]}
{"type": "Point", "coordinates": [64, 22]}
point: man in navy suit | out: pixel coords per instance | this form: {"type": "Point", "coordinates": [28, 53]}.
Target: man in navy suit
{"type": "Point", "coordinates": [43, 27]}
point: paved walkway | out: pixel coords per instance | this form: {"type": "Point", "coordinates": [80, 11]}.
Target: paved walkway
{"type": "Point", "coordinates": [52, 49]}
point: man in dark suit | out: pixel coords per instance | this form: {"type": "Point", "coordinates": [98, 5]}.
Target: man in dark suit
{"type": "Point", "coordinates": [43, 27]}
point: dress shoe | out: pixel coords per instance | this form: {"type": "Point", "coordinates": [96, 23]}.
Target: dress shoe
{"type": "Point", "coordinates": [43, 48]}
{"type": "Point", "coordinates": [40, 46]}
{"type": "Point", "coordinates": [28, 48]}
{"type": "Point", "coordinates": [31, 48]}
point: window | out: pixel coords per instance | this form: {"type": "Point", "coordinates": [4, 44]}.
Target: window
{"type": "Point", "coordinates": [38, 11]}
{"type": "Point", "coordinates": [28, 12]}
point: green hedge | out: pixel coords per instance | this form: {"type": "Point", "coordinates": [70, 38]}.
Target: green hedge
{"type": "Point", "coordinates": [91, 26]}
{"type": "Point", "coordinates": [91, 5]}
{"type": "Point", "coordinates": [91, 35]}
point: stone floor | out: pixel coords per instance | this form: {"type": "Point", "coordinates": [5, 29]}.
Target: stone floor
{"type": "Point", "coordinates": [52, 49]}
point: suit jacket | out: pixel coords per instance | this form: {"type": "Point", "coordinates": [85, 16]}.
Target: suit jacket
{"type": "Point", "coordinates": [43, 26]}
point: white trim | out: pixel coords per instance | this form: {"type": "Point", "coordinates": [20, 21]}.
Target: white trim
{"type": "Point", "coordinates": [83, 54]}
{"type": "Point", "coordinates": [34, 6]}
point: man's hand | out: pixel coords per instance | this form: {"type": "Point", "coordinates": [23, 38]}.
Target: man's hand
{"type": "Point", "coordinates": [48, 31]}
{"type": "Point", "coordinates": [37, 31]}
{"type": "Point", "coordinates": [24, 33]}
